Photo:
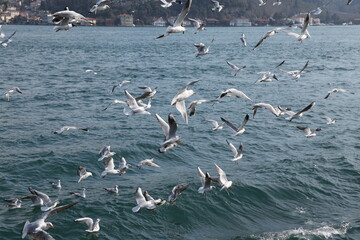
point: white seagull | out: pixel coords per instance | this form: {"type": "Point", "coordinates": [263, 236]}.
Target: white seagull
{"type": "Point", "coordinates": [119, 85]}
{"type": "Point", "coordinates": [113, 190]}
{"type": "Point", "coordinates": [13, 203]}
{"type": "Point", "coordinates": [235, 68]}
{"type": "Point", "coordinates": [193, 104]}
{"type": "Point", "coordinates": [56, 185]}
{"type": "Point", "coordinates": [336, 90]}
{"type": "Point", "coordinates": [308, 131]}
{"type": "Point", "coordinates": [37, 230]}
{"type": "Point", "coordinates": [202, 49]}
{"type": "Point", "coordinates": [277, 2]}
{"type": "Point", "coordinates": [149, 93]}
{"type": "Point", "coordinates": [67, 128]}
{"type": "Point", "coordinates": [169, 129]}
{"type": "Point", "coordinates": [100, 5]}
{"type": "Point", "coordinates": [133, 106]}
{"type": "Point", "coordinates": [158, 201]}
{"type": "Point", "coordinates": [166, 4]}
{"type": "Point", "coordinates": [216, 125]}
{"type": "Point", "coordinates": [328, 120]}
{"type": "Point", "coordinates": [47, 203]}
{"type": "Point", "coordinates": [184, 93]}
{"type": "Point", "coordinates": [300, 113]}
{"type": "Point", "coordinates": [142, 202]}
{"type": "Point", "coordinates": [274, 110]}
{"type": "Point", "coordinates": [267, 35]}
{"type": "Point", "coordinates": [82, 173]}
{"type": "Point", "coordinates": [262, 2]}
{"type": "Point", "coordinates": [177, 27]}
{"type": "Point", "coordinates": [8, 40]}
{"type": "Point", "coordinates": [10, 91]}
{"type": "Point", "coordinates": [176, 191]}
{"type": "Point", "coordinates": [296, 74]}
{"type": "Point", "coordinates": [232, 92]}
{"type": "Point", "coordinates": [222, 180]}
{"type": "Point", "coordinates": [243, 39]}
{"type": "Point", "coordinates": [110, 168]}
{"type": "Point", "coordinates": [237, 152]}
{"type": "Point", "coordinates": [217, 7]}
{"type": "Point", "coordinates": [2, 35]}
{"type": "Point", "coordinates": [304, 34]}
{"type": "Point", "coordinates": [66, 19]}
{"type": "Point", "coordinates": [349, 2]}
{"type": "Point", "coordinates": [116, 101]}
{"type": "Point", "coordinates": [198, 24]}
{"type": "Point", "coordinates": [105, 153]}
{"type": "Point", "coordinates": [80, 195]}
{"type": "Point", "coordinates": [147, 162]}
{"type": "Point", "coordinates": [205, 182]}
{"type": "Point", "coordinates": [316, 11]}
{"type": "Point", "coordinates": [241, 128]}
{"type": "Point", "coordinates": [92, 226]}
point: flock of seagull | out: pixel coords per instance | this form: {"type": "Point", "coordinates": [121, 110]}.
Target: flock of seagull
{"type": "Point", "coordinates": [134, 105]}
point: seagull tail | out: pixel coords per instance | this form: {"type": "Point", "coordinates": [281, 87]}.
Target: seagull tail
{"type": "Point", "coordinates": [136, 209]}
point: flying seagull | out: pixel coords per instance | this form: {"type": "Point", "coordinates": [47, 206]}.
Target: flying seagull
{"type": "Point", "coordinates": [13, 203]}
{"type": "Point", "coordinates": [198, 24]}
{"type": "Point", "coordinates": [243, 39]}
{"type": "Point", "coordinates": [47, 203]}
{"type": "Point", "coordinates": [169, 129]}
{"type": "Point", "coordinates": [349, 2]}
{"type": "Point", "coordinates": [166, 4]}
{"type": "Point", "coordinates": [142, 202]}
{"type": "Point", "coordinates": [149, 93]}
{"type": "Point", "coordinates": [222, 180]}
{"type": "Point", "coordinates": [10, 91]}
{"type": "Point", "coordinates": [193, 104]}
{"type": "Point", "coordinates": [277, 2]}
{"type": "Point", "coordinates": [37, 230]}
{"type": "Point", "coordinates": [2, 35]}
{"type": "Point", "coordinates": [237, 152]}
{"type": "Point", "coordinates": [176, 191]}
{"type": "Point", "coordinates": [82, 173]}
{"type": "Point", "coordinates": [267, 35]}
{"type": "Point", "coordinates": [67, 128]}
{"type": "Point", "coordinates": [336, 90]}
{"type": "Point", "coordinates": [300, 113]}
{"type": "Point", "coordinates": [328, 120]}
{"type": "Point", "coordinates": [66, 19]}
{"type": "Point", "coordinates": [308, 131]}
{"type": "Point", "coordinates": [232, 92]}
{"type": "Point", "coordinates": [238, 130]}
{"type": "Point", "coordinates": [217, 7]}
{"type": "Point", "coordinates": [8, 40]}
{"type": "Point", "coordinates": [205, 181]}
{"type": "Point", "coordinates": [110, 168]}
{"type": "Point", "coordinates": [92, 226]}
{"type": "Point", "coordinates": [147, 162]}
{"type": "Point", "coordinates": [262, 2]}
{"type": "Point", "coordinates": [177, 27]}
{"type": "Point", "coordinates": [274, 110]}
{"type": "Point", "coordinates": [100, 5]}
{"type": "Point", "coordinates": [296, 74]}
{"type": "Point", "coordinates": [235, 68]}
{"type": "Point", "coordinates": [202, 49]}
{"type": "Point", "coordinates": [119, 85]}
{"type": "Point", "coordinates": [133, 106]}
{"type": "Point", "coordinates": [216, 125]}
{"type": "Point", "coordinates": [304, 34]}
{"type": "Point", "coordinates": [105, 153]}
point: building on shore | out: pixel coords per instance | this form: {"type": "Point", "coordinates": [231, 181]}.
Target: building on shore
{"type": "Point", "coordinates": [126, 20]}
{"type": "Point", "coordinates": [240, 22]}
{"type": "Point", "coordinates": [159, 22]}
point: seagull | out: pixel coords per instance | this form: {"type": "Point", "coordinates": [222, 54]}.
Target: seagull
{"type": "Point", "coordinates": [92, 226]}
{"type": "Point", "coordinates": [193, 104]}
{"type": "Point", "coordinates": [308, 131]}
{"type": "Point", "coordinates": [300, 113]}
{"type": "Point", "coordinates": [90, 71]}
{"type": "Point", "coordinates": [240, 129]}
{"type": "Point", "coordinates": [148, 162]}
{"type": "Point", "coordinates": [13, 203]}
{"type": "Point", "coordinates": [2, 35]}
{"type": "Point", "coordinates": [217, 7]}
{"type": "Point", "coordinates": [8, 40]}
{"type": "Point", "coordinates": [142, 202]}
{"type": "Point", "coordinates": [237, 152]}
{"type": "Point", "coordinates": [216, 125]}
{"type": "Point", "coordinates": [316, 11]}
{"type": "Point", "coordinates": [277, 3]}
{"type": "Point", "coordinates": [10, 91]}
{"type": "Point", "coordinates": [232, 92]}
{"type": "Point", "coordinates": [67, 128]}
{"type": "Point", "coordinates": [262, 2]}
{"type": "Point", "coordinates": [176, 191]}
{"type": "Point", "coordinates": [243, 39]}
{"type": "Point", "coordinates": [37, 229]}
{"type": "Point", "coordinates": [304, 32]}
{"type": "Point", "coordinates": [266, 77]}
{"type": "Point", "coordinates": [329, 120]}
{"type": "Point", "coordinates": [274, 110]}
{"type": "Point", "coordinates": [66, 19]}
{"type": "Point", "coordinates": [56, 185]}
{"type": "Point", "coordinates": [110, 168]}
{"type": "Point", "coordinates": [267, 35]}
{"type": "Point", "coordinates": [100, 5]}
{"type": "Point", "coordinates": [82, 173]}
{"type": "Point", "coordinates": [149, 93]}
{"type": "Point", "coordinates": [349, 2]}
{"type": "Point", "coordinates": [113, 190]}
{"type": "Point", "coordinates": [184, 93]}
{"type": "Point", "coordinates": [336, 90]}
{"type": "Point", "coordinates": [202, 49]}
{"type": "Point", "coordinates": [105, 153]}
{"type": "Point", "coordinates": [47, 204]}
{"type": "Point", "coordinates": [296, 74]}
{"type": "Point", "coordinates": [119, 85]}
{"type": "Point", "coordinates": [177, 27]}
{"type": "Point", "coordinates": [80, 195]}
{"type": "Point", "coordinates": [133, 106]}
{"type": "Point", "coordinates": [36, 201]}
{"type": "Point", "coordinates": [158, 201]}
{"type": "Point", "coordinates": [198, 24]}
{"type": "Point", "coordinates": [205, 182]}
{"type": "Point", "coordinates": [169, 129]}
{"type": "Point", "coordinates": [222, 180]}
{"type": "Point", "coordinates": [167, 4]}
{"type": "Point", "coordinates": [124, 166]}
{"type": "Point", "coordinates": [116, 101]}
{"type": "Point", "coordinates": [235, 68]}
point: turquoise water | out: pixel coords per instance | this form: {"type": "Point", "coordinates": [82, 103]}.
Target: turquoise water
{"type": "Point", "coordinates": [286, 186]}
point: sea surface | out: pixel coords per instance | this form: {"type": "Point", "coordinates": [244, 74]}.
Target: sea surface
{"type": "Point", "coordinates": [286, 186]}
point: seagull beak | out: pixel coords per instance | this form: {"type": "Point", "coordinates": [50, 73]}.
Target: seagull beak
{"type": "Point", "coordinates": [52, 226]}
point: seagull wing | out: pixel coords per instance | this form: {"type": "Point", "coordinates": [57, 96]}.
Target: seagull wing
{"type": "Point", "coordinates": [233, 66]}
{"type": "Point", "coordinates": [58, 210]}
{"type": "Point", "coordinates": [214, 123]}
{"type": "Point", "coordinates": [41, 195]}
{"type": "Point", "coordinates": [306, 24]}
{"type": "Point", "coordinates": [131, 100]}
{"type": "Point", "coordinates": [89, 222]}
{"type": "Point", "coordinates": [305, 66]}
{"type": "Point", "coordinates": [306, 129]}
{"type": "Point", "coordinates": [8, 39]}
{"type": "Point", "coordinates": [222, 174]}
{"type": "Point", "coordinates": [183, 14]}
{"type": "Point", "coordinates": [310, 106]}
{"type": "Point", "coordinates": [81, 171]}
{"type": "Point", "coordinates": [232, 148]}
{"type": "Point", "coordinates": [110, 164]}
{"type": "Point", "coordinates": [229, 124]}
{"type": "Point", "coordinates": [41, 235]}
{"type": "Point", "coordinates": [139, 197]}
{"type": "Point", "coordinates": [246, 119]}
{"type": "Point", "coordinates": [165, 127]}
{"type": "Point", "coordinates": [173, 126]}
{"type": "Point", "coordinates": [202, 175]}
